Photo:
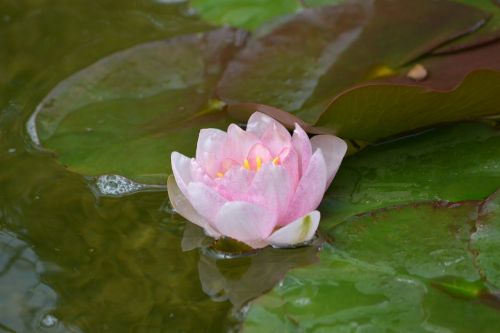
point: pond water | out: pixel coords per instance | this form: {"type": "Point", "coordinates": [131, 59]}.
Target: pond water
{"type": "Point", "coordinates": [78, 256]}
{"type": "Point", "coordinates": [72, 260]}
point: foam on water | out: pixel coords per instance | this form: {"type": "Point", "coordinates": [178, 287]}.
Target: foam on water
{"type": "Point", "coordinates": [116, 185]}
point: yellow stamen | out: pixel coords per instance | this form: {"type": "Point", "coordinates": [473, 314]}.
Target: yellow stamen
{"type": "Point", "coordinates": [276, 160]}
{"type": "Point", "coordinates": [220, 175]}
{"type": "Point", "coordinates": [246, 164]}
{"type": "Point", "coordinates": [259, 163]}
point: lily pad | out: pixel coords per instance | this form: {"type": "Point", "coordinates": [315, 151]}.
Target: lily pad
{"type": "Point", "coordinates": [447, 72]}
{"type": "Point", "coordinates": [127, 112]}
{"type": "Point", "coordinates": [453, 163]}
{"type": "Point", "coordinates": [457, 87]}
{"type": "Point", "coordinates": [487, 33]}
{"type": "Point", "coordinates": [248, 14]}
{"type": "Point", "coordinates": [428, 240]}
{"type": "Point", "coordinates": [317, 3]}
{"type": "Point", "coordinates": [486, 241]}
{"type": "Point", "coordinates": [384, 273]}
{"type": "Point", "coordinates": [320, 52]}
{"type": "Point", "coordinates": [382, 110]}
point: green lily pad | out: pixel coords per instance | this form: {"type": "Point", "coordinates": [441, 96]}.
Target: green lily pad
{"type": "Point", "coordinates": [248, 14]}
{"type": "Point", "coordinates": [427, 240]}
{"type": "Point", "coordinates": [453, 163]}
{"type": "Point", "coordinates": [486, 241]}
{"type": "Point", "coordinates": [126, 113]}
{"type": "Point", "coordinates": [320, 52]}
{"type": "Point", "coordinates": [385, 273]}
{"type": "Point", "coordinates": [487, 33]}
{"type": "Point", "coordinates": [317, 3]}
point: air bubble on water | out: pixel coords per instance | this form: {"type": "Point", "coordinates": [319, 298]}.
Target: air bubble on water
{"type": "Point", "coordinates": [116, 185]}
{"type": "Point", "coordinates": [49, 321]}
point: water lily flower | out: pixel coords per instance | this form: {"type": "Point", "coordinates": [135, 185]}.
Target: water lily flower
{"type": "Point", "coordinates": [260, 186]}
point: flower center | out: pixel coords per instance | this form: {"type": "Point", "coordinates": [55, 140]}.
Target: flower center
{"type": "Point", "coordinates": [249, 165]}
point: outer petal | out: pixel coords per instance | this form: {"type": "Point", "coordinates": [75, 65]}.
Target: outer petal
{"type": "Point", "coordinates": [333, 149]}
{"type": "Point", "coordinates": [205, 200]}
{"type": "Point", "coordinates": [209, 149]}
{"type": "Point", "coordinates": [246, 222]}
{"type": "Point", "coordinates": [181, 166]}
{"type": "Point", "coordinates": [198, 174]}
{"type": "Point", "coordinates": [271, 189]}
{"type": "Point", "coordinates": [302, 145]}
{"type": "Point", "coordinates": [310, 189]}
{"type": "Point", "coordinates": [299, 231]}
{"type": "Point", "coordinates": [185, 209]}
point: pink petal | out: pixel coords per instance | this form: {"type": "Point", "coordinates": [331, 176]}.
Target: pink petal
{"type": "Point", "coordinates": [297, 232]}
{"type": "Point", "coordinates": [209, 149]}
{"type": "Point", "coordinates": [333, 149]}
{"type": "Point", "coordinates": [235, 184]}
{"type": "Point", "coordinates": [259, 123]}
{"type": "Point", "coordinates": [310, 189]}
{"type": "Point", "coordinates": [302, 145]}
{"type": "Point", "coordinates": [271, 133]}
{"type": "Point", "coordinates": [238, 143]}
{"type": "Point", "coordinates": [261, 152]}
{"type": "Point", "coordinates": [198, 174]}
{"type": "Point", "coordinates": [289, 160]}
{"type": "Point", "coordinates": [271, 188]}
{"type": "Point", "coordinates": [246, 222]}
{"type": "Point", "coordinates": [205, 200]}
{"type": "Point", "coordinates": [181, 167]}
{"type": "Point", "coordinates": [185, 209]}
{"type": "Point", "coordinates": [276, 137]}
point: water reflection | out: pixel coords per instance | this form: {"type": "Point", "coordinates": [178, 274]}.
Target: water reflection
{"type": "Point", "coordinates": [73, 261]}
{"type": "Point", "coordinates": [26, 302]}
{"type": "Point", "coordinates": [242, 278]}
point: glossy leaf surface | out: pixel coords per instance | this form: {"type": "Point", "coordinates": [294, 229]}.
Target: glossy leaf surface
{"type": "Point", "coordinates": [453, 163]}
{"type": "Point", "coordinates": [127, 112]}
{"type": "Point", "coordinates": [387, 271]}
{"type": "Point", "coordinates": [487, 33]}
{"type": "Point", "coordinates": [315, 55]}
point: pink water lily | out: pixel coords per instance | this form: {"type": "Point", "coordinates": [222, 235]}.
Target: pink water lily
{"type": "Point", "coordinates": [260, 186]}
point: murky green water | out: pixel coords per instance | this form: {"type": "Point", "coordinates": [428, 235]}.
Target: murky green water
{"type": "Point", "coordinates": [71, 260]}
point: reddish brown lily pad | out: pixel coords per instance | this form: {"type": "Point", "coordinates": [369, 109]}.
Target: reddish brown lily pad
{"type": "Point", "coordinates": [458, 86]}
{"type": "Point", "coordinates": [488, 33]}
{"type": "Point", "coordinates": [305, 61]}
